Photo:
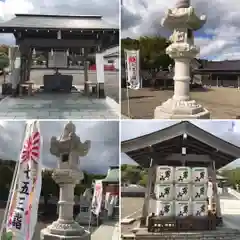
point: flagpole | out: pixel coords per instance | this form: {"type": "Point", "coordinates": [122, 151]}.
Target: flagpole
{"type": "Point", "coordinates": [126, 66]}
{"type": "Point", "coordinates": [38, 173]}
{"type": "Point", "coordinates": [13, 185]}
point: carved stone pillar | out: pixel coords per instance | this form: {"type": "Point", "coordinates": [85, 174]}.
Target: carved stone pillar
{"type": "Point", "coordinates": [29, 64]}
{"type": "Point", "coordinates": [215, 193]}
{"type": "Point", "coordinates": [146, 204]}
{"type": "Point", "coordinates": [100, 74]}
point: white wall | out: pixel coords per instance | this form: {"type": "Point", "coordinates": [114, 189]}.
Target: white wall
{"type": "Point", "coordinates": [115, 62]}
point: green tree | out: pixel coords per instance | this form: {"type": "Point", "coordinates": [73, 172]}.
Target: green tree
{"type": "Point", "coordinates": [4, 61]}
{"type": "Point", "coordinates": [4, 49]}
{"type": "Point", "coordinates": [40, 59]}
{"type": "Point", "coordinates": [6, 173]}
{"type": "Point", "coordinates": [143, 181]}
{"type": "Point", "coordinates": [233, 176]}
{"type": "Point", "coordinates": [152, 51]}
{"type": "Point", "coordinates": [49, 187]}
{"type": "Point", "coordinates": [132, 174]}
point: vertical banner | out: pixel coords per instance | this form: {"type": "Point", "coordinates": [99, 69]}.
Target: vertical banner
{"type": "Point", "coordinates": [132, 67]}
{"type": "Point", "coordinates": [97, 197]}
{"type": "Point", "coordinates": [23, 208]}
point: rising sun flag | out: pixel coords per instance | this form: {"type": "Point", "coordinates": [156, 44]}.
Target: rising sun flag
{"type": "Point", "coordinates": [21, 215]}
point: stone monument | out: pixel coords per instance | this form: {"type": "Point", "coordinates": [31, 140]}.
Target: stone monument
{"type": "Point", "coordinates": [183, 21]}
{"type": "Point", "coordinates": [68, 147]}
{"type": "Point", "coordinates": [85, 216]}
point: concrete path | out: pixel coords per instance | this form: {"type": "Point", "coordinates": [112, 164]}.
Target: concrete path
{"type": "Point", "coordinates": [107, 231]}
{"type": "Point", "coordinates": [56, 106]}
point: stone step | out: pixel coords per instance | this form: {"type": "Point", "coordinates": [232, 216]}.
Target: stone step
{"type": "Point", "coordinates": [129, 236]}
{"type": "Point", "coordinates": [128, 221]}
{"type": "Point", "coordinates": [220, 233]}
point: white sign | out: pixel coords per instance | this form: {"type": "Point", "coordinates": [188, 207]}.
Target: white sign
{"type": "Point", "coordinates": [132, 65]}
{"type": "Point", "coordinates": [22, 212]}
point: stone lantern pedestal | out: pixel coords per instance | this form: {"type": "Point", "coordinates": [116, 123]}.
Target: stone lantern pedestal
{"type": "Point", "coordinates": [65, 227]}
{"type": "Point", "coordinates": [183, 21]}
{"type": "Point", "coordinates": [68, 148]}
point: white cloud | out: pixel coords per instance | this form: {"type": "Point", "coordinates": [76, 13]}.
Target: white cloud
{"type": "Point", "coordinates": [10, 7]}
{"type": "Point", "coordinates": [109, 9]}
{"type": "Point", "coordinates": [104, 136]}
{"type": "Point", "coordinates": [222, 24]}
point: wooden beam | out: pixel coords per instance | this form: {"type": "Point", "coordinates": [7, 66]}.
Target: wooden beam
{"type": "Point", "coordinates": [215, 190]}
{"type": "Point", "coordinates": [189, 158]}
{"type": "Point", "coordinates": [145, 209]}
{"type": "Point", "coordinates": [57, 43]}
{"type": "Point", "coordinates": [145, 151]}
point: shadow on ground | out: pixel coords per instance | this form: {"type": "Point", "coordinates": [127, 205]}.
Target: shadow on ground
{"type": "Point", "coordinates": [222, 103]}
{"type": "Point", "coordinates": [46, 215]}
{"type": "Point", "coordinates": [139, 97]}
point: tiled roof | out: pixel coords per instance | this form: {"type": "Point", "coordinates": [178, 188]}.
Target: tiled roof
{"type": "Point", "coordinates": [57, 22]}
{"type": "Point", "coordinates": [230, 65]}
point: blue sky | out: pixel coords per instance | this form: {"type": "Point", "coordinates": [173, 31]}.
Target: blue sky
{"type": "Point", "coordinates": [222, 129]}
{"type": "Point", "coordinates": [109, 9]}
{"type": "Point", "coordinates": [219, 39]}
{"type": "Point", "coordinates": [104, 137]}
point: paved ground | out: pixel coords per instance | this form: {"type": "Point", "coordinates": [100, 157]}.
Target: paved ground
{"type": "Point", "coordinates": [56, 106]}
{"type": "Point", "coordinates": [108, 231]}
{"type": "Point", "coordinates": [223, 103]}
{"type": "Point", "coordinates": [62, 106]}
{"type": "Point", "coordinates": [132, 207]}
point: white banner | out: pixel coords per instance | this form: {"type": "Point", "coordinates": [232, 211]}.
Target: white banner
{"type": "Point", "coordinates": [133, 68]}
{"type": "Point", "coordinates": [23, 208]}
{"type": "Point", "coordinates": [97, 197]}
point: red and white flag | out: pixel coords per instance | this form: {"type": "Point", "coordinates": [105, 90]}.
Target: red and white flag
{"type": "Point", "coordinates": [23, 207]}
{"type": "Point", "coordinates": [133, 68]}
{"type": "Point", "coordinates": [97, 197]}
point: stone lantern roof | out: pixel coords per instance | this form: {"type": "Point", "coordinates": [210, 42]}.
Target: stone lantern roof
{"type": "Point", "coordinates": [183, 4]}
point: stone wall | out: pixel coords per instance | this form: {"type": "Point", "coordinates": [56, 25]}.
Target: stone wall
{"type": "Point", "coordinates": [111, 85]}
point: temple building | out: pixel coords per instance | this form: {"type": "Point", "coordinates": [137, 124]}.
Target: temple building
{"type": "Point", "coordinates": [219, 73]}
{"type": "Point", "coordinates": [182, 144]}
{"type": "Point", "coordinates": [57, 37]}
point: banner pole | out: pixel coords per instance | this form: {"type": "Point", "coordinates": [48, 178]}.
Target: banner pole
{"type": "Point", "coordinates": [126, 72]}
{"type": "Point", "coordinates": [90, 218]}
{"type": "Point", "coordinates": [128, 102]}
{"type": "Point", "coordinates": [13, 186]}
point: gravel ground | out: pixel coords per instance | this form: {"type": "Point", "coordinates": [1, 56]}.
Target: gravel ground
{"type": "Point", "coordinates": [223, 103]}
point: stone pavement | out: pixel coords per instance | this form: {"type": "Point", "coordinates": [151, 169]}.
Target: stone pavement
{"type": "Point", "coordinates": [56, 106]}
{"type": "Point", "coordinates": [106, 231]}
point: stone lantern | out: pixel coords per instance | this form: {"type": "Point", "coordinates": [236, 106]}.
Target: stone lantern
{"type": "Point", "coordinates": [67, 148]}
{"type": "Point", "coordinates": [183, 21]}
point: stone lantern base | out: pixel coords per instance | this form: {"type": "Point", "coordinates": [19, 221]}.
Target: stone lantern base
{"type": "Point", "coordinates": [71, 230]}
{"type": "Point", "coordinates": [175, 109]}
